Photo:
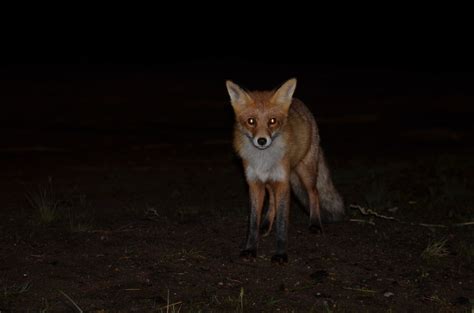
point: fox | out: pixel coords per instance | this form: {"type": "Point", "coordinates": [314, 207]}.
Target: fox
{"type": "Point", "coordinates": [277, 138]}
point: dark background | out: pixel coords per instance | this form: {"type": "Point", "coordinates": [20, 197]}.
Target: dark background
{"type": "Point", "coordinates": [127, 134]}
{"type": "Point", "coordinates": [176, 92]}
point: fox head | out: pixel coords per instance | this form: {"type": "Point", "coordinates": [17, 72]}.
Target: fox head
{"type": "Point", "coordinates": [260, 115]}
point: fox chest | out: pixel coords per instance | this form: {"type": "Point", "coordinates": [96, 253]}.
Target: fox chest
{"type": "Point", "coordinates": [264, 165]}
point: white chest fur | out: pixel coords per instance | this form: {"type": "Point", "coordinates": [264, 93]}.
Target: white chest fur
{"type": "Point", "coordinates": [265, 165]}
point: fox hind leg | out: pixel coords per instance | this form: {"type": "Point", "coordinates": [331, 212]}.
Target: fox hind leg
{"type": "Point", "coordinates": [307, 174]}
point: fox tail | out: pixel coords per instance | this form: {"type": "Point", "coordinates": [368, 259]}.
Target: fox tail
{"type": "Point", "coordinates": [331, 202]}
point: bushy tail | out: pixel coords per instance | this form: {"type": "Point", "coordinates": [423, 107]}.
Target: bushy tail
{"type": "Point", "coordinates": [332, 205]}
{"type": "Point", "coordinates": [331, 201]}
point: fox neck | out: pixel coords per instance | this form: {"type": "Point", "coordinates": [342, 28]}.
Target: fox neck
{"type": "Point", "coordinates": [264, 165]}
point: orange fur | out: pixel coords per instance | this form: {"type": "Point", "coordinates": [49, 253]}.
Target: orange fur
{"type": "Point", "coordinates": [278, 140]}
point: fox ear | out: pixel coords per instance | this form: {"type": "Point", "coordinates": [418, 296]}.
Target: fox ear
{"type": "Point", "coordinates": [238, 96]}
{"type": "Point", "coordinates": [284, 94]}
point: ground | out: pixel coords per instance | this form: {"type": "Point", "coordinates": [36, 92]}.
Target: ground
{"type": "Point", "coordinates": [126, 219]}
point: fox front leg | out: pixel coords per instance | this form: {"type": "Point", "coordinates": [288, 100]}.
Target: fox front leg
{"type": "Point", "coordinates": [267, 223]}
{"type": "Point", "coordinates": [282, 197]}
{"type": "Point", "coordinates": [257, 195]}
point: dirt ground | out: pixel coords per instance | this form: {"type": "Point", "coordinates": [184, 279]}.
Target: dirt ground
{"type": "Point", "coordinates": [131, 220]}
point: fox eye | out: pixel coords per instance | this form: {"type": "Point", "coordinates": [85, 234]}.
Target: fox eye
{"type": "Point", "coordinates": [251, 121]}
{"type": "Point", "coordinates": [272, 121]}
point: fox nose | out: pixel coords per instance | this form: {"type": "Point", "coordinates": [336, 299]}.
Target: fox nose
{"type": "Point", "coordinates": [262, 141]}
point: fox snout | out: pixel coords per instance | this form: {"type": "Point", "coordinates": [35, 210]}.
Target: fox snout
{"type": "Point", "coordinates": [262, 142]}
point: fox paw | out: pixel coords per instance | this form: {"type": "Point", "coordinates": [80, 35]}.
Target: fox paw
{"type": "Point", "coordinates": [280, 258]}
{"type": "Point", "coordinates": [316, 229]}
{"type": "Point", "coordinates": [265, 229]}
{"type": "Point", "coordinates": [248, 253]}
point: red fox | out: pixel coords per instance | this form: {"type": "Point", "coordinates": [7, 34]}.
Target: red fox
{"type": "Point", "coordinates": [277, 138]}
